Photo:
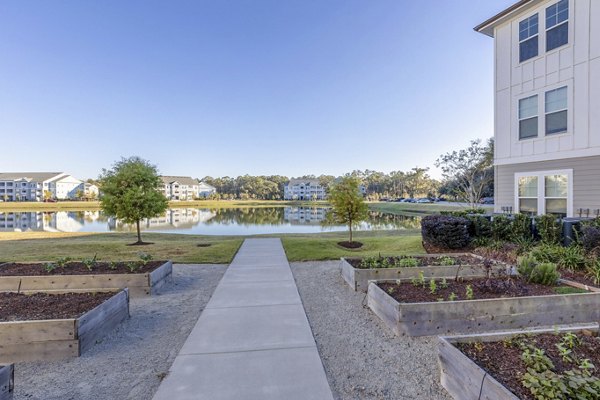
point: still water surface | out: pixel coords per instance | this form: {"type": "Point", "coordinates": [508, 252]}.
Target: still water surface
{"type": "Point", "coordinates": [201, 221]}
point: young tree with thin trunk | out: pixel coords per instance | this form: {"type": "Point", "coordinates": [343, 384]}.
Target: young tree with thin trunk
{"type": "Point", "coordinates": [130, 192]}
{"type": "Point", "coordinates": [470, 169]}
{"type": "Point", "coordinates": [347, 202]}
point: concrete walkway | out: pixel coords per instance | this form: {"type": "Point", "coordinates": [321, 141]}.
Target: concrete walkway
{"type": "Point", "coordinates": [253, 340]}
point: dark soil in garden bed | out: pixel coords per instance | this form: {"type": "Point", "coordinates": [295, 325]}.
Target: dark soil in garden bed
{"type": "Point", "coordinates": [502, 360]}
{"type": "Point", "coordinates": [37, 306]}
{"type": "Point", "coordinates": [577, 276]}
{"type": "Point", "coordinates": [482, 289]}
{"type": "Point", "coordinates": [78, 268]}
{"type": "Point", "coordinates": [422, 261]}
{"type": "Point", "coordinates": [351, 245]}
{"type": "Point", "coordinates": [507, 254]}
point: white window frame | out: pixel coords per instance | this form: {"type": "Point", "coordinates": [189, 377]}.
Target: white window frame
{"type": "Point", "coordinates": [546, 28]}
{"type": "Point", "coordinates": [537, 116]}
{"type": "Point", "coordinates": [539, 37]}
{"type": "Point", "coordinates": [541, 198]}
{"type": "Point", "coordinates": [546, 112]}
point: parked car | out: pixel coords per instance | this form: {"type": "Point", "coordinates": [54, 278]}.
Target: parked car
{"type": "Point", "coordinates": [487, 200]}
{"type": "Point", "coordinates": [399, 199]}
{"type": "Point", "coordinates": [409, 200]}
{"type": "Point", "coordinates": [423, 201]}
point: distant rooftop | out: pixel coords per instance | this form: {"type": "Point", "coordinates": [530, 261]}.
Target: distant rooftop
{"type": "Point", "coordinates": [32, 176]}
{"type": "Point", "coordinates": [487, 27]}
{"type": "Point", "coordinates": [183, 180]}
{"type": "Point", "coordinates": [304, 181]}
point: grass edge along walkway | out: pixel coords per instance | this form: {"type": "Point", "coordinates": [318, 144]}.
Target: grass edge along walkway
{"type": "Point", "coordinates": [196, 249]}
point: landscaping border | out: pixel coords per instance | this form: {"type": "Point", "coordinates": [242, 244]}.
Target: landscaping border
{"type": "Point", "coordinates": [483, 315]}
{"type": "Point", "coordinates": [7, 379]}
{"type": "Point", "coordinates": [139, 285]}
{"type": "Point", "coordinates": [358, 278]}
{"type": "Point", "coordinates": [465, 380]}
{"type": "Point", "coordinates": [55, 339]}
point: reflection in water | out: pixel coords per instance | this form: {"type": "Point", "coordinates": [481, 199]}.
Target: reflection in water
{"type": "Point", "coordinates": [222, 221]}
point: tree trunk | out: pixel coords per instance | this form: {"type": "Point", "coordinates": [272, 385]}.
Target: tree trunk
{"type": "Point", "coordinates": [139, 233]}
{"type": "Point", "coordinates": [350, 226]}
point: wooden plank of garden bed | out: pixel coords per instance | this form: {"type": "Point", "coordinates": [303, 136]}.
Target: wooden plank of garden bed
{"type": "Point", "coordinates": [100, 321]}
{"type": "Point", "coordinates": [7, 378]}
{"type": "Point", "coordinates": [579, 285]}
{"type": "Point", "coordinates": [16, 332]}
{"type": "Point", "coordinates": [159, 276]}
{"type": "Point", "coordinates": [36, 351]}
{"type": "Point", "coordinates": [66, 282]}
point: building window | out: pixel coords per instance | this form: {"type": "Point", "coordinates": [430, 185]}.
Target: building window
{"type": "Point", "coordinates": [557, 25]}
{"type": "Point", "coordinates": [556, 111]}
{"type": "Point", "coordinates": [528, 117]}
{"type": "Point", "coordinates": [545, 192]}
{"type": "Point", "coordinates": [528, 195]}
{"type": "Point", "coordinates": [556, 192]}
{"type": "Point", "coordinates": [528, 38]}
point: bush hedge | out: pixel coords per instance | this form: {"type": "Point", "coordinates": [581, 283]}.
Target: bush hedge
{"type": "Point", "coordinates": [445, 231]}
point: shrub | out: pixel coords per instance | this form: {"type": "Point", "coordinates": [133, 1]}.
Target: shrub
{"type": "Point", "coordinates": [407, 262]}
{"type": "Point", "coordinates": [548, 253]}
{"type": "Point", "coordinates": [549, 228]}
{"type": "Point", "coordinates": [593, 271]}
{"type": "Point", "coordinates": [526, 265]}
{"type": "Point", "coordinates": [521, 228]}
{"type": "Point", "coordinates": [590, 238]}
{"type": "Point", "coordinates": [446, 232]}
{"type": "Point", "coordinates": [501, 228]}
{"type": "Point", "coordinates": [464, 213]}
{"type": "Point", "coordinates": [544, 274]}
{"type": "Point", "coordinates": [479, 227]}
{"type": "Point", "coordinates": [572, 258]}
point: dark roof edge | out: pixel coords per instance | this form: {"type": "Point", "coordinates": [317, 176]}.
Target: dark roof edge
{"type": "Point", "coordinates": [485, 27]}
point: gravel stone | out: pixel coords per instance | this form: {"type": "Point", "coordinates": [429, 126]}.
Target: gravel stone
{"type": "Point", "coordinates": [363, 359]}
{"type": "Point", "coordinates": [131, 362]}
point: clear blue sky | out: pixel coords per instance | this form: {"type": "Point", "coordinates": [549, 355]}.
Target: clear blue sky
{"type": "Point", "coordinates": [228, 87]}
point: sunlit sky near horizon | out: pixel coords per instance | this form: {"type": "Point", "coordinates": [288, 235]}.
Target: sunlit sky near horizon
{"type": "Point", "coordinates": [240, 87]}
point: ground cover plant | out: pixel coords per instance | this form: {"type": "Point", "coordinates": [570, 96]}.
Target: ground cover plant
{"type": "Point", "coordinates": [406, 261]}
{"type": "Point", "coordinates": [543, 366]}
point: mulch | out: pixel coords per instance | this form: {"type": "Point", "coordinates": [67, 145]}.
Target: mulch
{"type": "Point", "coordinates": [502, 360]}
{"type": "Point", "coordinates": [482, 289]}
{"type": "Point", "coordinates": [76, 268]}
{"type": "Point", "coordinates": [38, 306]}
{"type": "Point", "coordinates": [577, 276]}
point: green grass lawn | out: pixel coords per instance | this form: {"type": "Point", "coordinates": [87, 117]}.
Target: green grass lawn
{"type": "Point", "coordinates": [49, 246]}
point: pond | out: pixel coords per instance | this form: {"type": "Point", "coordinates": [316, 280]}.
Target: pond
{"type": "Point", "coordinates": [201, 221]}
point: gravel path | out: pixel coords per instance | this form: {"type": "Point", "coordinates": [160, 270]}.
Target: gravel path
{"type": "Point", "coordinates": [130, 363]}
{"type": "Point", "coordinates": [363, 359]}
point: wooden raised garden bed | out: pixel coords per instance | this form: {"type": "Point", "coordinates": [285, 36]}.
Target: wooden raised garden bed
{"type": "Point", "coordinates": [74, 277]}
{"type": "Point", "coordinates": [418, 317]}
{"type": "Point", "coordinates": [430, 265]}
{"type": "Point", "coordinates": [7, 378]}
{"type": "Point", "coordinates": [43, 326]}
{"type": "Point", "coordinates": [490, 366]}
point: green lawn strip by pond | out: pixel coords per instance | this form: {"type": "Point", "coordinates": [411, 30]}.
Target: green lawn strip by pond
{"type": "Point", "coordinates": [414, 208]}
{"type": "Point", "coordinates": [317, 247]}
{"type": "Point", "coordinates": [113, 247]}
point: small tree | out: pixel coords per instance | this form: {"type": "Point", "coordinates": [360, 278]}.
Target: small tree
{"type": "Point", "coordinates": [470, 168]}
{"type": "Point", "coordinates": [130, 192]}
{"type": "Point", "coordinates": [347, 202]}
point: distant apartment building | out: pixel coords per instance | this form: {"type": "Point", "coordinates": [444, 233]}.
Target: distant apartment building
{"type": "Point", "coordinates": [180, 187]}
{"type": "Point", "coordinates": [304, 189]}
{"type": "Point", "coordinates": [38, 186]}
{"type": "Point", "coordinates": [205, 190]}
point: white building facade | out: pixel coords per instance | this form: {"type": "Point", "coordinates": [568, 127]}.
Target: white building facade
{"type": "Point", "coordinates": [180, 187]}
{"type": "Point", "coordinates": [304, 189]}
{"type": "Point", "coordinates": [547, 103]}
{"type": "Point", "coordinates": [38, 186]}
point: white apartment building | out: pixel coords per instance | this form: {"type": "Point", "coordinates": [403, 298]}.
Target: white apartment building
{"type": "Point", "coordinates": [36, 186]}
{"type": "Point", "coordinates": [547, 103]}
{"type": "Point", "coordinates": [205, 190]}
{"type": "Point", "coordinates": [180, 187]}
{"type": "Point", "coordinates": [304, 189]}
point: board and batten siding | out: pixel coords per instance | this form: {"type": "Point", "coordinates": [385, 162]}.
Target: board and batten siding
{"type": "Point", "coordinates": [586, 181]}
{"type": "Point", "coordinates": [575, 65]}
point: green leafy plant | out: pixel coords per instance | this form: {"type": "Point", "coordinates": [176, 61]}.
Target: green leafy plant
{"type": "Point", "coordinates": [548, 253]}
{"type": "Point", "coordinates": [391, 290]}
{"type": "Point", "coordinates": [112, 265]}
{"type": "Point", "coordinates": [444, 284]}
{"type": "Point", "coordinates": [369, 262]}
{"type": "Point", "coordinates": [593, 271]}
{"type": "Point", "coordinates": [63, 261]}
{"type": "Point", "coordinates": [407, 262]}
{"type": "Point", "coordinates": [145, 258]}
{"type": "Point", "coordinates": [132, 266]}
{"type": "Point", "coordinates": [573, 258]}
{"type": "Point", "coordinates": [521, 228]}
{"type": "Point", "coordinates": [469, 292]}
{"type": "Point", "coordinates": [525, 265]}
{"type": "Point", "coordinates": [549, 228]}
{"type": "Point", "coordinates": [452, 297]}
{"type": "Point", "coordinates": [49, 267]}
{"type": "Point", "coordinates": [545, 274]}
{"type": "Point", "coordinates": [90, 263]}
{"type": "Point", "coordinates": [421, 279]}
{"type": "Point", "coordinates": [432, 286]}
{"type": "Point", "coordinates": [447, 261]}
{"type": "Point", "coordinates": [501, 228]}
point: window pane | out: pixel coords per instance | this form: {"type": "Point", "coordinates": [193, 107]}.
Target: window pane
{"type": "Point", "coordinates": [528, 49]}
{"type": "Point", "coordinates": [556, 99]}
{"type": "Point", "coordinates": [528, 128]}
{"type": "Point", "coordinates": [528, 27]}
{"type": "Point", "coordinates": [528, 107]}
{"type": "Point", "coordinates": [556, 186]}
{"type": "Point", "coordinates": [528, 206]}
{"type": "Point", "coordinates": [556, 122]}
{"type": "Point", "coordinates": [557, 13]}
{"type": "Point", "coordinates": [528, 186]}
{"type": "Point", "coordinates": [557, 37]}
{"type": "Point", "coordinates": [556, 206]}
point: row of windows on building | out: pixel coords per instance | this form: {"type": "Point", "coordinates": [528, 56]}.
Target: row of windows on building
{"type": "Point", "coordinates": [555, 113]}
{"type": "Point", "coordinates": [557, 31]}
{"type": "Point", "coordinates": [543, 193]}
